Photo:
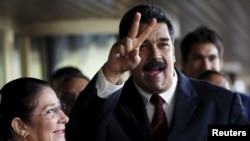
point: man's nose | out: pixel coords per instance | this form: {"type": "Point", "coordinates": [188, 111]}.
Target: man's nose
{"type": "Point", "coordinates": [207, 64]}
{"type": "Point", "coordinates": [155, 53]}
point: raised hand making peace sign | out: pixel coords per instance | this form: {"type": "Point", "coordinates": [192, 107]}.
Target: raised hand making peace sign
{"type": "Point", "coordinates": [124, 54]}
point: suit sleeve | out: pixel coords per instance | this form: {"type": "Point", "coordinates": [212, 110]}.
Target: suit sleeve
{"type": "Point", "coordinates": [237, 113]}
{"type": "Point", "coordinates": [90, 113]}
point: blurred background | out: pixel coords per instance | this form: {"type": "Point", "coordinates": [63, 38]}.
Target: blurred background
{"type": "Point", "coordinates": [39, 36]}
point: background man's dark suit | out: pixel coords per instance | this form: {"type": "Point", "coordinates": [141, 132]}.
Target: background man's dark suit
{"type": "Point", "coordinates": [123, 117]}
{"type": "Point", "coordinates": [245, 99]}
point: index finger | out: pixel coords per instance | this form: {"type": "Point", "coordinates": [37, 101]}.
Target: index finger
{"type": "Point", "coordinates": [135, 26]}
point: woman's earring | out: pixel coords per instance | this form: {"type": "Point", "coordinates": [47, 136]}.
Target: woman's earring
{"type": "Point", "coordinates": [24, 134]}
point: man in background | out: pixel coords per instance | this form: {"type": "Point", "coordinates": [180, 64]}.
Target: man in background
{"type": "Point", "coordinates": [202, 50]}
{"type": "Point", "coordinates": [68, 82]}
{"type": "Point", "coordinates": [223, 80]}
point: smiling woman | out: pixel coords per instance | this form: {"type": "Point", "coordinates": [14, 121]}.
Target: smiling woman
{"type": "Point", "coordinates": [30, 110]}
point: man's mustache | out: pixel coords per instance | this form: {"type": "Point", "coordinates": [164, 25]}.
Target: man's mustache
{"type": "Point", "coordinates": [154, 64]}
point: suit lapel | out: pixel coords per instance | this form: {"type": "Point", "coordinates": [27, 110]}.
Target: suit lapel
{"type": "Point", "coordinates": [186, 104]}
{"type": "Point", "coordinates": [132, 114]}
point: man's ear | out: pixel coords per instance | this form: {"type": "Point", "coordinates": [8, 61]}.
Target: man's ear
{"type": "Point", "coordinates": [19, 127]}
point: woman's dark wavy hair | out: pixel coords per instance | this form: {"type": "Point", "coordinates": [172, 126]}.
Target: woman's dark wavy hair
{"type": "Point", "coordinates": [18, 99]}
{"type": "Point", "coordinates": [148, 12]}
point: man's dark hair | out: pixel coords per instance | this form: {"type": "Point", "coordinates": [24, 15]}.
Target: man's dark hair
{"type": "Point", "coordinates": [213, 72]}
{"type": "Point", "coordinates": [66, 71]}
{"type": "Point", "coordinates": [200, 35]}
{"type": "Point", "coordinates": [148, 12]}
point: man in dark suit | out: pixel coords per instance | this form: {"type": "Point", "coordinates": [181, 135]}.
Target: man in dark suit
{"type": "Point", "coordinates": [202, 50]}
{"type": "Point", "coordinates": [223, 80]}
{"type": "Point", "coordinates": [112, 109]}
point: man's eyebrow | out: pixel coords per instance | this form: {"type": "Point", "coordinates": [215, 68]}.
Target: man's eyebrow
{"type": "Point", "coordinates": [164, 39]}
{"type": "Point", "coordinates": [160, 39]}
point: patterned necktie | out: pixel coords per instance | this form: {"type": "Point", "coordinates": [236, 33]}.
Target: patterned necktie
{"type": "Point", "coordinates": [159, 123]}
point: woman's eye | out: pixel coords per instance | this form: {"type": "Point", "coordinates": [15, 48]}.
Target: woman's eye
{"type": "Point", "coordinates": [50, 111]}
{"type": "Point", "coordinates": [56, 110]}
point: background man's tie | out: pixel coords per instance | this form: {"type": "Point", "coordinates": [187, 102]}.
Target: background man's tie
{"type": "Point", "coordinates": [159, 122]}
